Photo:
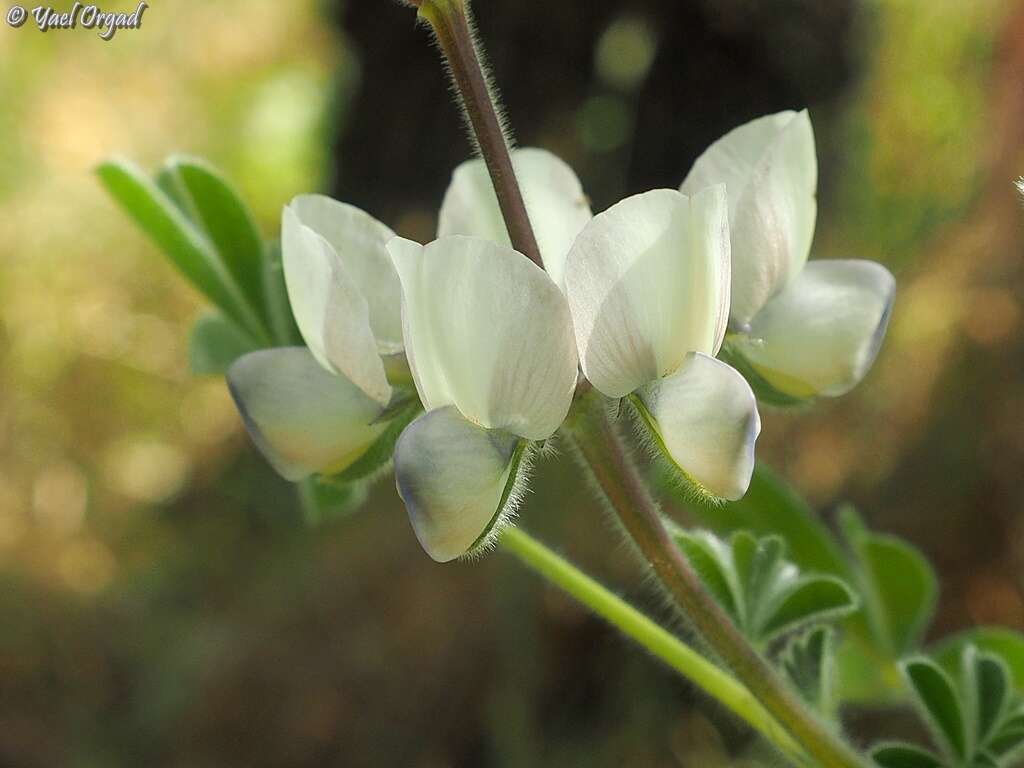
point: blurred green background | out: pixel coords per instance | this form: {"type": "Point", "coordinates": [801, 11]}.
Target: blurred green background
{"type": "Point", "coordinates": [161, 601]}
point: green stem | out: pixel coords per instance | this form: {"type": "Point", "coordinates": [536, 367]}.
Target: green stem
{"type": "Point", "coordinates": [601, 445]}
{"type": "Point", "coordinates": [654, 638]}
{"type": "Point", "coordinates": [606, 456]}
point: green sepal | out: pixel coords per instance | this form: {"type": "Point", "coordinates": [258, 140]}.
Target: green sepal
{"type": "Point", "coordinates": [378, 456]}
{"type": "Point", "coordinates": [765, 392]}
{"type": "Point", "coordinates": [214, 343]}
{"type": "Point", "coordinates": [325, 500]}
{"type": "Point", "coordinates": [522, 459]}
{"type": "Point", "coordinates": [678, 477]}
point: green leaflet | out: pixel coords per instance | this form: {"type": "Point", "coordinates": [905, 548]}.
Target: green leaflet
{"type": "Point", "coordinates": [771, 506]}
{"type": "Point", "coordinates": [897, 755]}
{"type": "Point", "coordinates": [175, 234]}
{"type": "Point", "coordinates": [897, 582]}
{"type": "Point", "coordinates": [215, 343]}
{"type": "Point", "coordinates": [1002, 642]}
{"type": "Point", "coordinates": [216, 210]}
{"type": "Point", "coordinates": [975, 717]}
{"type": "Point", "coordinates": [808, 661]}
{"type": "Point", "coordinates": [939, 702]}
{"type": "Point", "coordinates": [896, 585]}
{"type": "Point", "coordinates": [766, 595]}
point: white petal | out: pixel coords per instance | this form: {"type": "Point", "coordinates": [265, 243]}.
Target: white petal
{"type": "Point", "coordinates": [453, 477]}
{"type": "Point", "coordinates": [706, 417]}
{"type": "Point", "coordinates": [329, 308]}
{"type": "Point", "coordinates": [821, 335]}
{"type": "Point", "coordinates": [487, 331]}
{"type": "Point", "coordinates": [360, 242]}
{"type": "Point", "coordinates": [648, 282]}
{"type": "Point", "coordinates": [770, 170]}
{"type": "Point", "coordinates": [307, 270]}
{"type": "Point", "coordinates": [554, 199]}
{"type": "Point", "coordinates": [302, 418]}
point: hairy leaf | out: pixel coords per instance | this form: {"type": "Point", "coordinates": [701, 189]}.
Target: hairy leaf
{"type": "Point", "coordinates": [939, 702]}
{"type": "Point", "coordinates": [765, 594]}
{"type": "Point", "coordinates": [1007, 644]}
{"type": "Point", "coordinates": [808, 663]}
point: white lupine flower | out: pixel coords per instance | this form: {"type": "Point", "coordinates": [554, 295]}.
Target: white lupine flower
{"type": "Point", "coordinates": [319, 410]}
{"type": "Point", "coordinates": [806, 328]}
{"type": "Point", "coordinates": [648, 286]}
{"type": "Point", "coordinates": [554, 199]}
{"type": "Point", "coordinates": [490, 344]}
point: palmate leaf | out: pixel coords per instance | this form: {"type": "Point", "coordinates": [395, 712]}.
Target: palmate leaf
{"type": "Point", "coordinates": [214, 207]}
{"type": "Point", "coordinates": [176, 235]}
{"type": "Point", "coordinates": [896, 585]}
{"type": "Point", "coordinates": [973, 718]}
{"type": "Point", "coordinates": [897, 582]}
{"type": "Point", "coordinates": [898, 591]}
{"type": "Point", "coordinates": [987, 683]}
{"type": "Point", "coordinates": [765, 594]}
{"type": "Point", "coordinates": [1004, 643]}
{"type": "Point", "coordinates": [193, 214]}
{"type": "Point", "coordinates": [939, 702]}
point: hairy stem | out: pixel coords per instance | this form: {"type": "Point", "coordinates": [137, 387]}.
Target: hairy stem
{"type": "Point", "coordinates": [599, 441]}
{"type": "Point", "coordinates": [602, 448]}
{"type": "Point", "coordinates": [652, 637]}
{"type": "Point", "coordinates": [450, 22]}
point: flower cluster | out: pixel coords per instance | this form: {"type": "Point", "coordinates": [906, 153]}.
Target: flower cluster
{"type": "Point", "coordinates": [641, 298]}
